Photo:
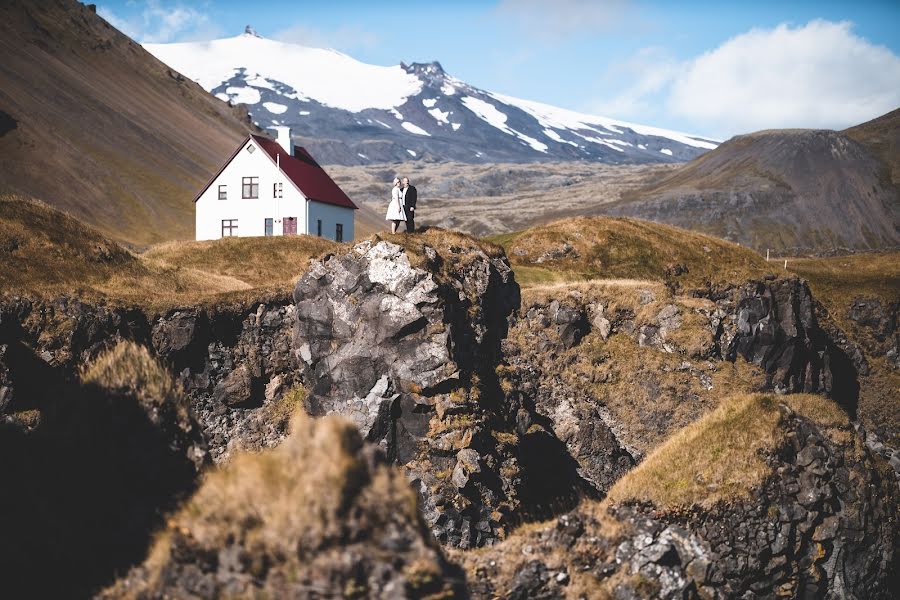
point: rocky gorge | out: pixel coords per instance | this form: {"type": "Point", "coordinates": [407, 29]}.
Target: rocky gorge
{"type": "Point", "coordinates": [499, 406]}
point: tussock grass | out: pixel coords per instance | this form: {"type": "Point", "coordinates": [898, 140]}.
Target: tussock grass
{"type": "Point", "coordinates": [131, 368]}
{"type": "Point", "coordinates": [298, 511]}
{"type": "Point", "coordinates": [610, 248]}
{"type": "Point", "coordinates": [720, 457]}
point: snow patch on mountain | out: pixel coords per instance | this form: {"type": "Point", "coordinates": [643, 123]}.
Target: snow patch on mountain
{"type": "Point", "coordinates": [439, 115]}
{"type": "Point", "coordinates": [561, 118]}
{"type": "Point", "coordinates": [410, 127]}
{"type": "Point", "coordinates": [274, 107]}
{"type": "Point", "coordinates": [326, 76]}
{"type": "Point", "coordinates": [493, 116]}
{"type": "Point", "coordinates": [242, 95]}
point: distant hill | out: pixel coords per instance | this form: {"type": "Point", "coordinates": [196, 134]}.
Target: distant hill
{"type": "Point", "coordinates": [794, 191]}
{"type": "Point", "coordinates": [93, 124]}
{"type": "Point", "coordinates": [882, 137]}
{"type": "Point", "coordinates": [351, 113]}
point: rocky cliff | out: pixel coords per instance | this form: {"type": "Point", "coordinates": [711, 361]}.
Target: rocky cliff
{"type": "Point", "coordinates": [498, 406]}
{"type": "Point", "coordinates": [404, 342]}
{"type": "Point", "coordinates": [822, 523]}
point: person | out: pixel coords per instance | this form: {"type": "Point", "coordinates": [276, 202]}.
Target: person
{"type": "Point", "coordinates": [395, 208]}
{"type": "Point", "coordinates": [410, 195]}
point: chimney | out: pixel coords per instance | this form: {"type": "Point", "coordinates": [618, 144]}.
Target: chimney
{"type": "Point", "coordinates": [284, 140]}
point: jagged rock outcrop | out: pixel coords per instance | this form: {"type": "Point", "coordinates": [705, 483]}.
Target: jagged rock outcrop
{"type": "Point", "coordinates": [405, 342]}
{"type": "Point", "coordinates": [773, 324]}
{"type": "Point", "coordinates": [823, 524]}
{"type": "Point", "coordinates": [878, 320]}
{"type": "Point", "coordinates": [234, 360]}
{"type": "Point", "coordinates": [320, 516]}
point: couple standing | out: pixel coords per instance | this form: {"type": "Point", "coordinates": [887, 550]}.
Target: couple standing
{"type": "Point", "coordinates": [403, 205]}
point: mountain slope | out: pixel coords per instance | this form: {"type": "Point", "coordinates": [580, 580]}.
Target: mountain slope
{"type": "Point", "coordinates": [93, 124]}
{"type": "Point", "coordinates": [882, 137]}
{"type": "Point", "coordinates": [793, 191]}
{"type": "Point", "coordinates": [348, 112]}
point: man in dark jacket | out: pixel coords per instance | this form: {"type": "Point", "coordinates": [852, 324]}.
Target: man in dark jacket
{"type": "Point", "coordinates": [410, 195]}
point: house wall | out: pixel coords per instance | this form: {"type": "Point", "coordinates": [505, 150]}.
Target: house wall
{"type": "Point", "coordinates": [250, 213]}
{"type": "Point", "coordinates": [330, 216]}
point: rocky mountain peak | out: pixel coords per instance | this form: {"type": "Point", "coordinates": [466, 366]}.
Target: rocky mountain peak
{"type": "Point", "coordinates": [248, 30]}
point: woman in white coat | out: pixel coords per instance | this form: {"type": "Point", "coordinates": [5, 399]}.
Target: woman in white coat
{"type": "Point", "coordinates": [395, 212]}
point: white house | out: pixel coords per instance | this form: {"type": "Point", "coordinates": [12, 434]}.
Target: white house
{"type": "Point", "coordinates": [265, 189]}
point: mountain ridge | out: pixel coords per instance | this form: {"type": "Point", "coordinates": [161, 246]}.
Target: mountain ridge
{"type": "Point", "coordinates": [410, 111]}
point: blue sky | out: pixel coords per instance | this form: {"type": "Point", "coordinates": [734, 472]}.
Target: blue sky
{"type": "Point", "coordinates": [713, 68]}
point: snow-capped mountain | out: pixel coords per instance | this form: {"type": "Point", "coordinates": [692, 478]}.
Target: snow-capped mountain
{"type": "Point", "coordinates": [349, 112]}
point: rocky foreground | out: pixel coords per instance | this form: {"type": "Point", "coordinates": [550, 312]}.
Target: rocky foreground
{"type": "Point", "coordinates": [498, 408]}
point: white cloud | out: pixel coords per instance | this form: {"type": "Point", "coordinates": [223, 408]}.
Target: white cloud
{"type": "Point", "coordinates": [554, 19]}
{"type": "Point", "coordinates": [160, 23]}
{"type": "Point", "coordinates": [648, 75]}
{"type": "Point", "coordinates": [345, 38]}
{"type": "Point", "coordinates": [819, 75]}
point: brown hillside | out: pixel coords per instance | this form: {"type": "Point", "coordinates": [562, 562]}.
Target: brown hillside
{"type": "Point", "coordinates": [789, 190]}
{"type": "Point", "coordinates": [93, 124]}
{"type": "Point", "coordinates": [606, 248]}
{"type": "Point", "coordinates": [882, 137]}
{"type": "Point", "coordinates": [44, 251]}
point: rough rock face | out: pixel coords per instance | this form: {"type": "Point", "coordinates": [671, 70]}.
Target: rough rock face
{"type": "Point", "coordinates": [320, 516]}
{"type": "Point", "coordinates": [406, 345]}
{"type": "Point", "coordinates": [773, 325]}
{"type": "Point", "coordinates": [234, 361]}
{"type": "Point", "coordinates": [824, 524]}
{"type": "Point", "coordinates": [879, 320]}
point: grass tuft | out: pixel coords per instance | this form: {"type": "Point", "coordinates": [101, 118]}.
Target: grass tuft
{"type": "Point", "coordinates": [720, 456]}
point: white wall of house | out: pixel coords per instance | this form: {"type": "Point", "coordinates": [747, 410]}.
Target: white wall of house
{"type": "Point", "coordinates": [250, 213]}
{"type": "Point", "coordinates": [330, 216]}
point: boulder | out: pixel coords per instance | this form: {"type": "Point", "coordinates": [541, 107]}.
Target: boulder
{"type": "Point", "coordinates": [404, 343]}
{"type": "Point", "coordinates": [773, 324]}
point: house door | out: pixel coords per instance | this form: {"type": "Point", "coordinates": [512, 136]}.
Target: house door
{"type": "Point", "coordinates": [289, 225]}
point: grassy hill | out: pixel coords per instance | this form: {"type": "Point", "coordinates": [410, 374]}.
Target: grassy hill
{"type": "Point", "coordinates": [93, 124]}
{"type": "Point", "coordinates": [45, 251]}
{"type": "Point", "coordinates": [619, 248]}
{"type": "Point", "coordinates": [882, 137]}
{"type": "Point", "coordinates": [796, 191]}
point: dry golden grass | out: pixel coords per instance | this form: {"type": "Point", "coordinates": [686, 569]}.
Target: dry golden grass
{"type": "Point", "coordinates": [130, 366]}
{"type": "Point", "coordinates": [647, 393]}
{"type": "Point", "coordinates": [298, 509]}
{"type": "Point", "coordinates": [719, 457]}
{"type": "Point", "coordinates": [44, 251]}
{"type": "Point", "coordinates": [608, 248]}
{"type": "Point", "coordinates": [255, 262]}
{"type": "Point", "coordinates": [837, 280]}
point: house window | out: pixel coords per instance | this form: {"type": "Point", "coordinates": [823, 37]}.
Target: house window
{"type": "Point", "coordinates": [339, 232]}
{"type": "Point", "coordinates": [277, 191]}
{"type": "Point", "coordinates": [250, 187]}
{"type": "Point", "coordinates": [229, 227]}
{"type": "Point", "coordinates": [319, 227]}
{"type": "Point", "coordinates": [223, 192]}
{"type": "Point", "coordinates": [268, 227]}
{"type": "Point", "coordinates": [250, 149]}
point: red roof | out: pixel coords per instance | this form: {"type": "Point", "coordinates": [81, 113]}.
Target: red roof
{"type": "Point", "coordinates": [302, 170]}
